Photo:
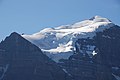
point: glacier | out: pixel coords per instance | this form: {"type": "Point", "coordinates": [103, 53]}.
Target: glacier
{"type": "Point", "coordinates": [59, 42]}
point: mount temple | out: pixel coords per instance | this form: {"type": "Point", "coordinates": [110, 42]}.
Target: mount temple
{"type": "Point", "coordinates": [86, 50]}
{"type": "Point", "coordinates": [59, 43]}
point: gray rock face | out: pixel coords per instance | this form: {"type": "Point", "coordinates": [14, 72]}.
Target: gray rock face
{"type": "Point", "coordinates": [21, 60]}
{"type": "Point", "coordinates": [104, 65]}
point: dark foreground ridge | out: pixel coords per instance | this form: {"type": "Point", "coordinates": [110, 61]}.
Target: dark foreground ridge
{"type": "Point", "coordinates": [22, 60]}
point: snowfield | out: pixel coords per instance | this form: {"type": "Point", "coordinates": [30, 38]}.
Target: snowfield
{"type": "Point", "coordinates": [58, 43]}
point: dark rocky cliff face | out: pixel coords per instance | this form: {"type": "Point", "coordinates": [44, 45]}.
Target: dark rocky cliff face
{"type": "Point", "coordinates": [103, 65]}
{"type": "Point", "coordinates": [21, 60]}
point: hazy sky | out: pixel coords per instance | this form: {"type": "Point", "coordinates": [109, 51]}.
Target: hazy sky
{"type": "Point", "coordinates": [30, 16]}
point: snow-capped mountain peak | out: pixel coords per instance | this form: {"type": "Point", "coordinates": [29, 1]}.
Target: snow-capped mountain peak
{"type": "Point", "coordinates": [99, 19]}
{"type": "Point", "coordinates": [58, 43]}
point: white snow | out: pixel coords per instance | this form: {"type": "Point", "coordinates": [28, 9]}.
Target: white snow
{"type": "Point", "coordinates": [116, 68]}
{"type": "Point", "coordinates": [117, 77]}
{"type": "Point", "coordinates": [106, 36]}
{"type": "Point", "coordinates": [66, 72]}
{"type": "Point", "coordinates": [57, 56]}
{"type": "Point", "coordinates": [94, 53]}
{"type": "Point", "coordinates": [60, 40]}
{"type": "Point", "coordinates": [4, 70]}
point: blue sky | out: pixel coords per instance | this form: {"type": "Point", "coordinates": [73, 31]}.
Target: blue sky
{"type": "Point", "coordinates": [30, 16]}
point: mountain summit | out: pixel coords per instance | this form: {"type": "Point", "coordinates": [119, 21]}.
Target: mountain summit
{"type": "Point", "coordinates": [62, 39]}
{"type": "Point", "coordinates": [86, 50]}
{"type": "Point", "coordinates": [99, 19]}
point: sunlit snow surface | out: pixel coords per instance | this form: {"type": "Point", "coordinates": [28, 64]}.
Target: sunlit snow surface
{"type": "Point", "coordinates": [58, 43]}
